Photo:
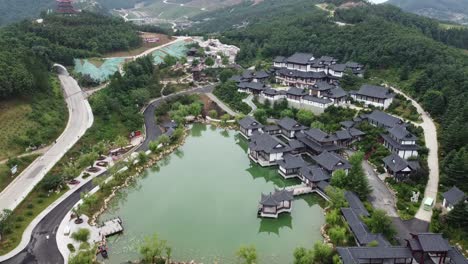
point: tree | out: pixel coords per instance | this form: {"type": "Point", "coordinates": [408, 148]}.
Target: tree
{"type": "Point", "coordinates": [121, 142]}
{"type": "Point", "coordinates": [178, 134]}
{"type": "Point", "coordinates": [209, 61]}
{"type": "Point", "coordinates": [458, 216]}
{"type": "Point", "coordinates": [71, 171]}
{"type": "Point", "coordinates": [305, 117]}
{"type": "Point", "coordinates": [287, 113]}
{"type": "Point", "coordinates": [100, 148]}
{"type": "Point", "coordinates": [225, 74]}
{"type": "Point", "coordinates": [140, 96]}
{"type": "Point", "coordinates": [358, 181]}
{"type": "Point", "coordinates": [5, 222]}
{"type": "Point", "coordinates": [51, 182]}
{"type": "Point", "coordinates": [339, 179]}
{"type": "Point", "coordinates": [247, 254]}
{"type": "Point", "coordinates": [337, 198]}
{"type": "Point", "coordinates": [303, 256]}
{"type": "Point", "coordinates": [260, 115]}
{"type": "Point", "coordinates": [224, 119]}
{"type": "Point", "coordinates": [213, 114]}
{"type": "Point", "coordinates": [323, 254]}
{"type": "Point", "coordinates": [88, 159]}
{"type": "Point", "coordinates": [164, 140]}
{"type": "Point", "coordinates": [195, 109]}
{"type": "Point", "coordinates": [82, 235]}
{"type": "Point", "coordinates": [153, 248]}
{"type": "Point", "coordinates": [83, 257]}
{"type": "Point", "coordinates": [337, 235]}
{"type": "Point", "coordinates": [333, 217]}
{"type": "Point", "coordinates": [379, 222]}
{"type": "Point", "coordinates": [153, 146]}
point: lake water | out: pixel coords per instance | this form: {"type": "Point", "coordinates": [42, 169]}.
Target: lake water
{"type": "Point", "coordinates": [203, 200]}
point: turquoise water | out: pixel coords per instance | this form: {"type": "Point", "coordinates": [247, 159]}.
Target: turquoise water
{"type": "Point", "coordinates": [107, 69]}
{"type": "Point", "coordinates": [203, 200]}
{"type": "Point", "coordinates": [178, 50]}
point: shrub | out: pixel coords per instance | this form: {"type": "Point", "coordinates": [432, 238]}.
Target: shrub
{"type": "Point", "coordinates": [71, 247]}
{"type": "Point", "coordinates": [29, 213]}
{"type": "Point", "coordinates": [30, 206]}
{"type": "Point", "coordinates": [81, 235]}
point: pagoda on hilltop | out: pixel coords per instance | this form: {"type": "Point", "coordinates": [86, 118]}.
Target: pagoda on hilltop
{"type": "Point", "coordinates": [65, 7]}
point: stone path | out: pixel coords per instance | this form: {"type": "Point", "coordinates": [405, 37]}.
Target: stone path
{"type": "Point", "coordinates": [249, 101]}
{"type": "Point", "coordinates": [222, 105]}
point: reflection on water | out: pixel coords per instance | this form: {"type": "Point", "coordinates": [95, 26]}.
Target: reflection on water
{"type": "Point", "coordinates": [203, 200]}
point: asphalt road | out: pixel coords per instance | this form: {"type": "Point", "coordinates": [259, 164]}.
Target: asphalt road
{"type": "Point", "coordinates": [80, 119]}
{"type": "Point", "coordinates": [42, 248]}
{"type": "Point", "coordinates": [152, 128]}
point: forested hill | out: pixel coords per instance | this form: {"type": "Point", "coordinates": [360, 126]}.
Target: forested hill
{"type": "Point", "coordinates": [28, 49]}
{"type": "Point", "coordinates": [397, 46]}
{"type": "Point", "coordinates": [16, 10]}
{"type": "Point", "coordinates": [449, 10]}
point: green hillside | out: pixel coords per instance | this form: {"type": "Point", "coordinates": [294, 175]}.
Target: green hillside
{"type": "Point", "coordinates": [447, 10]}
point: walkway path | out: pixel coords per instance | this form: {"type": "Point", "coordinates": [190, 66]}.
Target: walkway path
{"type": "Point", "coordinates": [222, 105]}
{"type": "Point", "coordinates": [249, 101]}
{"type": "Point", "coordinates": [430, 137]}
{"type": "Point", "coordinates": [80, 119]}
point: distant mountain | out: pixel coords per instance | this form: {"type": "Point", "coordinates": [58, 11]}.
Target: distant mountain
{"type": "Point", "coordinates": [447, 10]}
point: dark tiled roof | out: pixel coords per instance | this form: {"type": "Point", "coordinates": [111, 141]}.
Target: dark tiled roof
{"type": "Point", "coordinates": [315, 146]}
{"type": "Point", "coordinates": [319, 136]}
{"type": "Point", "coordinates": [276, 198]}
{"type": "Point", "coordinates": [375, 91]}
{"type": "Point", "coordinates": [400, 132]}
{"type": "Point", "coordinates": [359, 229]}
{"type": "Point", "coordinates": [343, 134]}
{"type": "Point", "coordinates": [261, 75]}
{"type": "Point", "coordinates": [395, 163]}
{"type": "Point", "coordinates": [338, 67]}
{"type": "Point", "coordinates": [337, 92]}
{"type": "Point", "coordinates": [347, 124]}
{"type": "Point", "coordinates": [430, 242]}
{"type": "Point", "coordinates": [454, 195]}
{"type": "Point", "coordinates": [322, 86]}
{"type": "Point", "coordinates": [355, 204]}
{"type": "Point", "coordinates": [316, 99]}
{"type": "Point", "coordinates": [397, 145]}
{"type": "Point", "coordinates": [252, 85]}
{"type": "Point", "coordinates": [355, 132]}
{"type": "Point", "coordinates": [268, 144]}
{"type": "Point", "coordinates": [250, 123]}
{"type": "Point", "coordinates": [351, 64]}
{"type": "Point", "coordinates": [314, 173]}
{"type": "Point", "coordinates": [456, 256]}
{"type": "Point", "coordinates": [300, 58]}
{"type": "Point", "coordinates": [170, 131]}
{"type": "Point", "coordinates": [354, 255]}
{"type": "Point", "coordinates": [301, 74]}
{"type": "Point", "coordinates": [296, 91]}
{"type": "Point", "coordinates": [323, 185]}
{"type": "Point", "coordinates": [279, 59]}
{"type": "Point", "coordinates": [270, 91]}
{"type": "Point", "coordinates": [271, 128]}
{"type": "Point", "coordinates": [291, 162]}
{"type": "Point", "coordinates": [236, 78]}
{"type": "Point", "coordinates": [296, 144]}
{"type": "Point", "coordinates": [290, 124]}
{"type": "Point", "coordinates": [331, 161]}
{"type": "Point", "coordinates": [383, 118]}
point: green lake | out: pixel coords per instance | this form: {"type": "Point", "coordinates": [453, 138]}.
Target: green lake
{"type": "Point", "coordinates": [203, 200]}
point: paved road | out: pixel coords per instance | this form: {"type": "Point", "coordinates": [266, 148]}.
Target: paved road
{"type": "Point", "coordinates": [249, 101]}
{"type": "Point", "coordinates": [152, 129]}
{"type": "Point", "coordinates": [430, 137]}
{"type": "Point", "coordinates": [80, 119]}
{"type": "Point", "coordinates": [42, 248]}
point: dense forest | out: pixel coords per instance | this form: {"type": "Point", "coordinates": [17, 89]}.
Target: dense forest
{"type": "Point", "coordinates": [405, 49]}
{"type": "Point", "coordinates": [27, 49]}
{"type": "Point", "coordinates": [450, 10]}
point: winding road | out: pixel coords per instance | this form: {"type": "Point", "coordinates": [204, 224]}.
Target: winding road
{"type": "Point", "coordinates": [80, 119]}
{"type": "Point", "coordinates": [430, 137]}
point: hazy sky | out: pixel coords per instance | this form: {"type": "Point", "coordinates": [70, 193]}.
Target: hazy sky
{"type": "Point", "coordinates": [377, 1]}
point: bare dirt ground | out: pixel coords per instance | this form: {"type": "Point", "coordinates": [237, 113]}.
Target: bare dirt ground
{"type": "Point", "coordinates": [163, 39]}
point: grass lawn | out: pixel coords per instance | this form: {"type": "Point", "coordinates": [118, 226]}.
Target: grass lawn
{"type": "Point", "coordinates": [5, 174]}
{"type": "Point", "coordinates": [31, 207]}
{"type": "Point", "coordinates": [34, 120]}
